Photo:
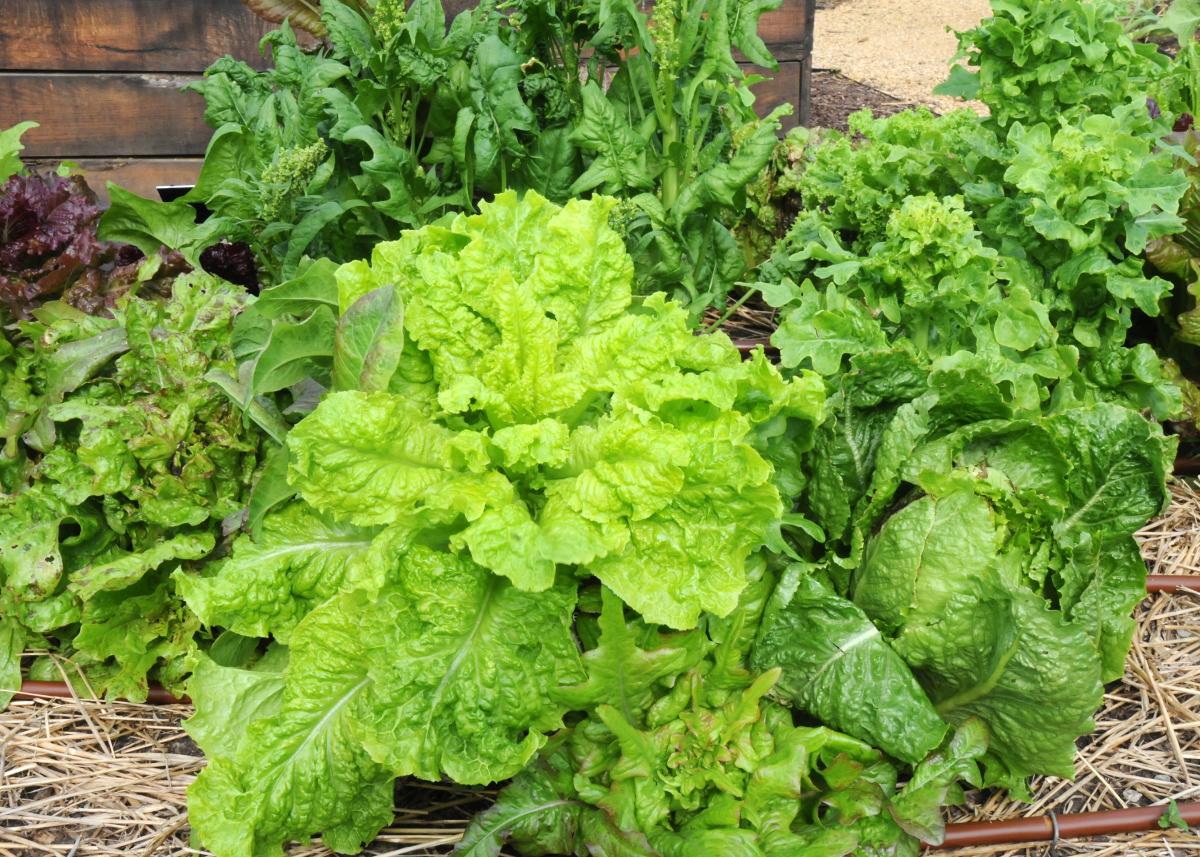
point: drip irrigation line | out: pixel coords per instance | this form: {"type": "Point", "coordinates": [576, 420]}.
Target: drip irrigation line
{"type": "Point", "coordinates": [1172, 582]}
{"type": "Point", "coordinates": [1054, 827]}
{"type": "Point", "coordinates": [1187, 466]}
{"type": "Point", "coordinates": [61, 690]}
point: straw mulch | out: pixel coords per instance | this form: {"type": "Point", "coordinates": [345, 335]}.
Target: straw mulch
{"type": "Point", "coordinates": [94, 779]}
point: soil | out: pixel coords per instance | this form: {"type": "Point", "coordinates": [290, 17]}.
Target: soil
{"type": "Point", "coordinates": [835, 97]}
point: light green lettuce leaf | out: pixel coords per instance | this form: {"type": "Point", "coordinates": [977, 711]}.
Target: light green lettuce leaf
{"type": "Point", "coordinates": [464, 669]}
{"type": "Point", "coordinates": [300, 767]}
{"type": "Point", "coordinates": [228, 700]}
{"type": "Point", "coordinates": [454, 679]}
{"type": "Point", "coordinates": [298, 559]}
{"type": "Point", "coordinates": [368, 458]}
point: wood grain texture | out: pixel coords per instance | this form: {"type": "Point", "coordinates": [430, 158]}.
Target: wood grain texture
{"type": "Point", "coordinates": [140, 175]}
{"type": "Point", "coordinates": [105, 115]}
{"type": "Point", "coordinates": [162, 36]}
{"type": "Point", "coordinates": [783, 88]}
{"type": "Point", "coordinates": [126, 35]}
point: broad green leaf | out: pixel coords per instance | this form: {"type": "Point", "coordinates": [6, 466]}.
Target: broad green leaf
{"type": "Point", "coordinates": [368, 458]}
{"type": "Point", "coordinates": [148, 225]}
{"type": "Point", "coordinates": [961, 83]}
{"type": "Point", "coordinates": [1182, 18]}
{"type": "Point", "coordinates": [289, 352]}
{"type": "Point", "coordinates": [838, 667]}
{"type": "Point", "coordinates": [501, 111]}
{"type": "Point", "coordinates": [313, 287]}
{"type": "Point", "coordinates": [936, 580]}
{"type": "Point", "coordinates": [369, 341]}
{"type": "Point", "coordinates": [463, 669]}
{"type": "Point", "coordinates": [620, 160]}
{"type": "Point", "coordinates": [11, 148]}
{"type": "Point", "coordinates": [744, 18]}
{"type": "Point", "coordinates": [228, 700]}
{"type": "Point", "coordinates": [127, 570]}
{"type": "Point", "coordinates": [299, 767]}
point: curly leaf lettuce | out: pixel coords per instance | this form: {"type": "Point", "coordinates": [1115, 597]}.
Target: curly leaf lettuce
{"type": "Point", "coordinates": [691, 757]}
{"type": "Point", "coordinates": [559, 425]}
{"type": "Point", "coordinates": [126, 465]}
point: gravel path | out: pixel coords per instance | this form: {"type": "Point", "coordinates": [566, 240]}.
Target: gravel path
{"type": "Point", "coordinates": [900, 46]}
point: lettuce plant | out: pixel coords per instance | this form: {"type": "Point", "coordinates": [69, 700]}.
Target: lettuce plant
{"type": "Point", "coordinates": [967, 287]}
{"type": "Point", "coordinates": [682, 750]}
{"type": "Point", "coordinates": [49, 248]}
{"type": "Point", "coordinates": [1039, 60]}
{"type": "Point", "coordinates": [120, 462]}
{"type": "Point", "coordinates": [504, 421]}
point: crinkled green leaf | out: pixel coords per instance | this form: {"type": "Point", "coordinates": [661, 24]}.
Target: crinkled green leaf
{"type": "Point", "coordinates": [298, 559]}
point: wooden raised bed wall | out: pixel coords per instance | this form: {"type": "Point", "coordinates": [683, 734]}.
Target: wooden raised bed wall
{"type": "Point", "coordinates": [103, 78]}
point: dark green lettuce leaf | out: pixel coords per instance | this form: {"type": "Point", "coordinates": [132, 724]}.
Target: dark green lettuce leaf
{"type": "Point", "coordinates": [837, 666]}
{"type": "Point", "coordinates": [940, 582]}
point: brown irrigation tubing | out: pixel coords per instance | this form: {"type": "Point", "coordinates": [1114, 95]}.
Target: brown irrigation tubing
{"type": "Point", "coordinates": [1187, 466]}
{"type": "Point", "coordinates": [1041, 828]}
{"type": "Point", "coordinates": [62, 690]}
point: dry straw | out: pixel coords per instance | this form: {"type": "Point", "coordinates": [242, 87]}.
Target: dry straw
{"type": "Point", "coordinates": [95, 779]}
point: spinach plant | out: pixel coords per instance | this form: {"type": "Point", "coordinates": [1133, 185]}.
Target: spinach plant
{"type": "Point", "coordinates": [396, 119]}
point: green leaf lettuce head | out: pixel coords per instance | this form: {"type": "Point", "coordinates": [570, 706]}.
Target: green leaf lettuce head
{"type": "Point", "coordinates": [505, 420]}
{"type": "Point", "coordinates": [1040, 60]}
{"type": "Point", "coordinates": [536, 417]}
{"type": "Point", "coordinates": [990, 555]}
{"type": "Point", "coordinates": [454, 678]}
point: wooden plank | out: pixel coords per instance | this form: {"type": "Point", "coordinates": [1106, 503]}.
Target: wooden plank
{"type": "Point", "coordinates": [126, 35]}
{"type": "Point", "coordinates": [783, 88]}
{"type": "Point", "coordinates": [105, 115]}
{"type": "Point", "coordinates": [153, 35]}
{"type": "Point", "coordinates": [140, 175]}
{"type": "Point", "coordinates": [804, 111]}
